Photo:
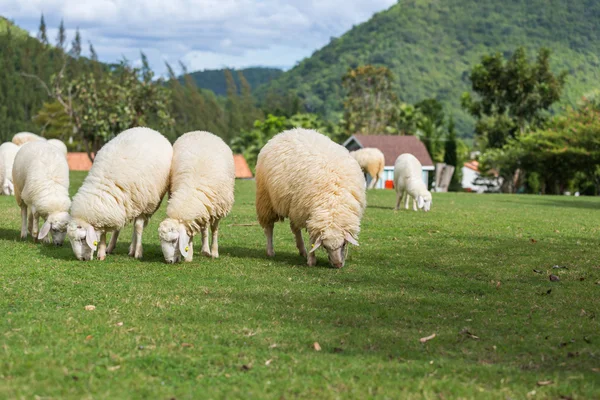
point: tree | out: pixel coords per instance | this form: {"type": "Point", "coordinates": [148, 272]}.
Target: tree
{"type": "Point", "coordinates": [61, 36]}
{"type": "Point", "coordinates": [93, 54]}
{"type": "Point", "coordinates": [370, 104]}
{"type": "Point", "coordinates": [513, 95]}
{"type": "Point", "coordinates": [42, 35]}
{"type": "Point", "coordinates": [451, 156]}
{"type": "Point", "coordinates": [76, 45]}
{"type": "Point", "coordinates": [232, 107]}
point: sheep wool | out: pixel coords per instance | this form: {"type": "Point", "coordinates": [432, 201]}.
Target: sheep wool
{"type": "Point", "coordinates": [127, 181]}
{"type": "Point", "coordinates": [304, 176]}
{"type": "Point", "coordinates": [371, 161]}
{"type": "Point", "coordinates": [41, 179]}
{"type": "Point", "coordinates": [8, 152]}
{"type": "Point", "coordinates": [201, 193]}
{"type": "Point", "coordinates": [25, 137]}
{"type": "Point", "coordinates": [59, 145]}
{"type": "Point", "coordinates": [408, 181]}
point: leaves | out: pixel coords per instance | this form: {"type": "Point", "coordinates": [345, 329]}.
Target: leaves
{"type": "Point", "coordinates": [316, 346]}
{"type": "Point", "coordinates": [544, 383]}
{"type": "Point", "coordinates": [90, 307]}
{"type": "Point", "coordinates": [427, 338]}
{"type": "Point", "coordinates": [553, 278]}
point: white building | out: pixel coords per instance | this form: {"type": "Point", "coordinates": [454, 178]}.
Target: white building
{"type": "Point", "coordinates": [470, 172]}
{"type": "Point", "coordinates": [392, 146]}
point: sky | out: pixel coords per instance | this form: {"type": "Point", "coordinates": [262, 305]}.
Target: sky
{"type": "Point", "coordinates": [202, 34]}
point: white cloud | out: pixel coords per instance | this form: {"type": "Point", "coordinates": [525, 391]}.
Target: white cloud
{"type": "Point", "coordinates": [203, 34]}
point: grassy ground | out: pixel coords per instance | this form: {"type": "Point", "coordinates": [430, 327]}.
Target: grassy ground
{"type": "Point", "coordinates": [244, 325]}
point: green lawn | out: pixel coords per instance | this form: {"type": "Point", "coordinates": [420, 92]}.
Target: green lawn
{"type": "Point", "coordinates": [243, 326]}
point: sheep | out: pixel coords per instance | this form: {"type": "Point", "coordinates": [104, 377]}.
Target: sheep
{"type": "Point", "coordinates": [306, 177]}
{"type": "Point", "coordinates": [201, 193]}
{"type": "Point", "coordinates": [41, 179]}
{"type": "Point", "coordinates": [8, 151]}
{"type": "Point", "coordinates": [127, 181]}
{"type": "Point", "coordinates": [60, 145]}
{"type": "Point", "coordinates": [25, 137]}
{"type": "Point", "coordinates": [409, 182]}
{"type": "Point", "coordinates": [371, 161]}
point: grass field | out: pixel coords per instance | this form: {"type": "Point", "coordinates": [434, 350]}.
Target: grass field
{"type": "Point", "coordinates": [243, 326]}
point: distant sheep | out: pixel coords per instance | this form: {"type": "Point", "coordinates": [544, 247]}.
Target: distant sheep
{"type": "Point", "coordinates": [59, 144]}
{"type": "Point", "coordinates": [408, 181]}
{"type": "Point", "coordinates": [201, 193]}
{"type": "Point", "coordinates": [41, 179]}
{"type": "Point", "coordinates": [304, 176]}
{"type": "Point", "coordinates": [25, 137]}
{"type": "Point", "coordinates": [371, 161]}
{"type": "Point", "coordinates": [8, 151]}
{"type": "Point", "coordinates": [128, 180]}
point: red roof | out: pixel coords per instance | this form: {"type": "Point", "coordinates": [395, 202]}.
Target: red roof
{"type": "Point", "coordinates": [473, 164]}
{"type": "Point", "coordinates": [392, 146]}
{"type": "Point", "coordinates": [81, 162]}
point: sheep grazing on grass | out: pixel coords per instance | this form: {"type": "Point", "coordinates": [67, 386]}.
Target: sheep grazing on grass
{"type": "Point", "coordinates": [371, 161]}
{"type": "Point", "coordinates": [41, 179]}
{"type": "Point", "coordinates": [304, 176]}
{"type": "Point", "coordinates": [201, 193]}
{"type": "Point", "coordinates": [408, 181]}
{"type": "Point", "coordinates": [8, 152]}
{"type": "Point", "coordinates": [25, 137]}
{"type": "Point", "coordinates": [127, 182]}
{"type": "Point", "coordinates": [59, 145]}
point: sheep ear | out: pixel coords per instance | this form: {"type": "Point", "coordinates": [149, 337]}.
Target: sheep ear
{"type": "Point", "coordinates": [184, 242]}
{"type": "Point", "coordinates": [91, 238]}
{"type": "Point", "coordinates": [45, 230]}
{"type": "Point", "coordinates": [350, 239]}
{"type": "Point", "coordinates": [316, 245]}
{"type": "Point", "coordinates": [420, 201]}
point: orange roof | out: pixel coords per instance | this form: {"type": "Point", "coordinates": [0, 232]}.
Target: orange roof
{"type": "Point", "coordinates": [473, 164]}
{"type": "Point", "coordinates": [81, 162]}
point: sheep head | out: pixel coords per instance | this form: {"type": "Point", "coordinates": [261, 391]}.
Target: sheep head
{"type": "Point", "coordinates": [83, 238]}
{"type": "Point", "coordinates": [334, 242]}
{"type": "Point", "coordinates": [174, 240]}
{"type": "Point", "coordinates": [56, 224]}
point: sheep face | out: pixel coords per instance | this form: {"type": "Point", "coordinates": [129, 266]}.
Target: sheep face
{"type": "Point", "coordinates": [424, 202]}
{"type": "Point", "coordinates": [336, 247]}
{"type": "Point", "coordinates": [8, 188]}
{"type": "Point", "coordinates": [56, 224]}
{"type": "Point", "coordinates": [83, 238]}
{"type": "Point", "coordinates": [174, 240]}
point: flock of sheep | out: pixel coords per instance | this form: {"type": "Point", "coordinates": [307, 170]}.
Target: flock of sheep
{"type": "Point", "coordinates": [300, 175]}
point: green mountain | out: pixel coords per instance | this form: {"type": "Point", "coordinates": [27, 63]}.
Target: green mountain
{"type": "Point", "coordinates": [431, 45]}
{"type": "Point", "coordinates": [215, 79]}
{"type": "Point", "coordinates": [6, 25]}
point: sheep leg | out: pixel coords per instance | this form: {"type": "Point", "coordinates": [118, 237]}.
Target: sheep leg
{"type": "Point", "coordinates": [29, 220]}
{"type": "Point", "coordinates": [205, 247]}
{"type": "Point", "coordinates": [102, 247]}
{"type": "Point", "coordinates": [190, 255]}
{"type": "Point", "coordinates": [23, 222]}
{"type": "Point", "coordinates": [299, 241]}
{"type": "Point", "coordinates": [113, 242]}
{"type": "Point", "coordinates": [133, 243]}
{"type": "Point", "coordinates": [139, 229]}
{"type": "Point", "coordinates": [269, 235]}
{"type": "Point", "coordinates": [414, 204]}
{"type": "Point", "coordinates": [312, 256]}
{"type": "Point", "coordinates": [214, 250]}
{"type": "Point", "coordinates": [399, 195]}
{"type": "Point", "coordinates": [407, 200]}
{"type": "Point", "coordinates": [35, 229]}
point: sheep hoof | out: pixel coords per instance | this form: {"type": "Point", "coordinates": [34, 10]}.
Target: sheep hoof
{"type": "Point", "coordinates": [303, 254]}
{"type": "Point", "coordinates": [206, 253]}
{"type": "Point", "coordinates": [215, 254]}
{"type": "Point", "coordinates": [270, 253]}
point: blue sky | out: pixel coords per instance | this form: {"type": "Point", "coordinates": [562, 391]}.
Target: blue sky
{"type": "Point", "coordinates": [203, 34]}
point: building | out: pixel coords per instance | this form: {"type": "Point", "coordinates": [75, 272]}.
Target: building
{"type": "Point", "coordinates": [470, 175]}
{"type": "Point", "coordinates": [81, 162]}
{"type": "Point", "coordinates": [392, 146]}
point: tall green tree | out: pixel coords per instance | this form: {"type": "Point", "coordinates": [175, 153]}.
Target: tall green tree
{"type": "Point", "coordinates": [451, 156]}
{"type": "Point", "coordinates": [93, 54]}
{"type": "Point", "coordinates": [370, 105]}
{"type": "Point", "coordinates": [61, 36]}
{"type": "Point", "coordinates": [42, 34]}
{"type": "Point", "coordinates": [232, 107]}
{"type": "Point", "coordinates": [76, 45]}
{"type": "Point", "coordinates": [512, 96]}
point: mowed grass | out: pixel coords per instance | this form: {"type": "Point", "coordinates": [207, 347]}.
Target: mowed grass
{"type": "Point", "coordinates": [243, 326]}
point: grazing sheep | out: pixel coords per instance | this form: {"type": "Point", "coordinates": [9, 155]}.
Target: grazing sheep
{"type": "Point", "coordinates": [25, 137]}
{"type": "Point", "coordinates": [304, 176]}
{"type": "Point", "coordinates": [409, 182]}
{"type": "Point", "coordinates": [371, 161]}
{"type": "Point", "coordinates": [41, 179]}
{"type": "Point", "coordinates": [8, 151]}
{"type": "Point", "coordinates": [201, 193]}
{"type": "Point", "coordinates": [59, 144]}
{"type": "Point", "coordinates": [128, 180]}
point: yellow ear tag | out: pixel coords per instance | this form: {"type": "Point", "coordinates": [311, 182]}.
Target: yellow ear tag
{"type": "Point", "coordinates": [313, 245]}
{"type": "Point", "coordinates": [95, 243]}
{"type": "Point", "coordinates": [187, 248]}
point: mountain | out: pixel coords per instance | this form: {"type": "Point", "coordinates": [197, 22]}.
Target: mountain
{"type": "Point", "coordinates": [431, 45]}
{"type": "Point", "coordinates": [215, 79]}
{"type": "Point", "coordinates": [6, 25]}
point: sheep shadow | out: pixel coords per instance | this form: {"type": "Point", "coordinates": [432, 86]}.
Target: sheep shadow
{"type": "Point", "coordinates": [11, 235]}
{"type": "Point", "coordinates": [285, 258]}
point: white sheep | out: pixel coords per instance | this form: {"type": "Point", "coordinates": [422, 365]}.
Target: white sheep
{"type": "Point", "coordinates": [8, 151]}
{"type": "Point", "coordinates": [60, 145]}
{"type": "Point", "coordinates": [25, 137]}
{"type": "Point", "coordinates": [304, 176]}
{"type": "Point", "coordinates": [408, 181]}
{"type": "Point", "coordinates": [201, 193]}
{"type": "Point", "coordinates": [128, 180]}
{"type": "Point", "coordinates": [41, 179]}
{"type": "Point", "coordinates": [371, 161]}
